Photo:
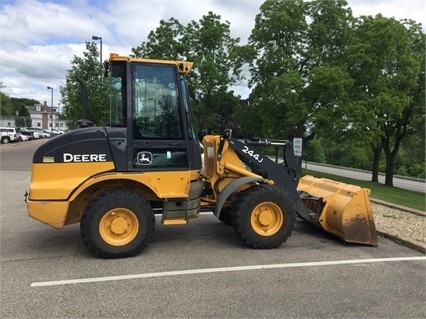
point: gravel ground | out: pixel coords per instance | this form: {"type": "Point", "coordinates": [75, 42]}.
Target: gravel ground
{"type": "Point", "coordinates": [402, 226]}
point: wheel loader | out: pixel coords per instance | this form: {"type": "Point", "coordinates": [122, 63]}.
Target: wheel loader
{"type": "Point", "coordinates": [149, 161]}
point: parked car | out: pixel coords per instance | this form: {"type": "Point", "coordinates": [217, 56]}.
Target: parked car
{"type": "Point", "coordinates": [9, 134]}
{"type": "Point", "coordinates": [36, 132]}
{"type": "Point", "coordinates": [23, 137]}
{"type": "Point", "coordinates": [5, 138]}
{"type": "Point", "coordinates": [47, 133]}
{"type": "Point", "coordinates": [30, 133]}
{"type": "Point", "coordinates": [42, 133]}
{"type": "Point", "coordinates": [57, 132]}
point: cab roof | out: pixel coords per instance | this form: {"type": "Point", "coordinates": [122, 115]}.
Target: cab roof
{"type": "Point", "coordinates": [184, 67]}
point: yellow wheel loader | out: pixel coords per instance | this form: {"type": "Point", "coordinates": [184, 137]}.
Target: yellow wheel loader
{"type": "Point", "coordinates": [114, 180]}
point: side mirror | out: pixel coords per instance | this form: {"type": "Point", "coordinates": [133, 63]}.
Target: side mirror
{"type": "Point", "coordinates": [202, 134]}
{"type": "Point", "coordinates": [227, 133]}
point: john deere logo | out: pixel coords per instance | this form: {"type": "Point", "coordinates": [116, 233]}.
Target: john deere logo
{"type": "Point", "coordinates": [144, 158]}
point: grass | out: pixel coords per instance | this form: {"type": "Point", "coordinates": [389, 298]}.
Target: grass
{"type": "Point", "coordinates": [393, 195]}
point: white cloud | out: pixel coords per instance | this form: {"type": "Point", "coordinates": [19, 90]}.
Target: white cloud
{"type": "Point", "coordinates": [39, 38]}
{"type": "Point", "coordinates": [398, 9]}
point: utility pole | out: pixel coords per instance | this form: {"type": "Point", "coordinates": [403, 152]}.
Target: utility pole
{"type": "Point", "coordinates": [51, 106]}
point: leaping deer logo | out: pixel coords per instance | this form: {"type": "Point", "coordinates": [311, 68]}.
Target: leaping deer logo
{"type": "Point", "coordinates": [144, 158]}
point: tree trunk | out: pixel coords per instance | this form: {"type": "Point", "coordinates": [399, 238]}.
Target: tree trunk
{"type": "Point", "coordinates": [390, 163]}
{"type": "Point", "coordinates": [377, 151]}
{"type": "Point", "coordinates": [390, 158]}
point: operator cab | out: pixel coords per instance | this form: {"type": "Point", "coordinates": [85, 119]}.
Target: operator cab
{"type": "Point", "coordinates": [150, 102]}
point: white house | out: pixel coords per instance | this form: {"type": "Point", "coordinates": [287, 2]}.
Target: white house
{"type": "Point", "coordinates": [45, 117]}
{"type": "Point", "coordinates": [42, 117]}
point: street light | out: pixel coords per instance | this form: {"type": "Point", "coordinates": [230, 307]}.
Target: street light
{"type": "Point", "coordinates": [59, 115]}
{"type": "Point", "coordinates": [94, 37]}
{"type": "Point", "coordinates": [51, 107]}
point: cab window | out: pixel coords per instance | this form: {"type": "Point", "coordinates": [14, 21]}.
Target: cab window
{"type": "Point", "coordinates": [156, 111]}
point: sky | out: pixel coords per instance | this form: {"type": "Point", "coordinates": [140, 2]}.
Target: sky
{"type": "Point", "coordinates": [38, 39]}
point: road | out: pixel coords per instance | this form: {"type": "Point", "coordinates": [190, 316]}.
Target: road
{"type": "Point", "coordinates": [366, 176]}
{"type": "Point", "coordinates": [200, 270]}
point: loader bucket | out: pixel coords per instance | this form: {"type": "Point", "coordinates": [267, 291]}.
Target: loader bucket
{"type": "Point", "coordinates": [343, 209]}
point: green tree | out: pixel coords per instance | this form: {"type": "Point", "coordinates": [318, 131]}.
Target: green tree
{"type": "Point", "coordinates": [6, 107]}
{"type": "Point", "coordinates": [211, 49]}
{"type": "Point", "coordinates": [386, 61]}
{"type": "Point", "coordinates": [247, 125]}
{"type": "Point", "coordinates": [23, 118]}
{"type": "Point", "coordinates": [208, 44]}
{"type": "Point", "coordinates": [411, 157]}
{"type": "Point", "coordinates": [16, 107]}
{"type": "Point", "coordinates": [89, 69]}
{"type": "Point", "coordinates": [19, 105]}
{"type": "Point", "coordinates": [165, 42]}
{"type": "Point", "coordinates": [298, 76]}
{"type": "Point", "coordinates": [315, 151]}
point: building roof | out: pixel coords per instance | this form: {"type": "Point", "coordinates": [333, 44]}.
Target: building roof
{"type": "Point", "coordinates": [39, 108]}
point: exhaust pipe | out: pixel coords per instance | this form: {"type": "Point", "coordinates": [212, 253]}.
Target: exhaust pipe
{"type": "Point", "coordinates": [83, 122]}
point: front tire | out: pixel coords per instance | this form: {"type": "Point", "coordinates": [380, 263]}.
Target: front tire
{"type": "Point", "coordinates": [117, 223]}
{"type": "Point", "coordinates": [225, 216]}
{"type": "Point", "coordinates": [264, 217]}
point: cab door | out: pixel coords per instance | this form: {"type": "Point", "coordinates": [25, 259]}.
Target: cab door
{"type": "Point", "coordinates": [159, 131]}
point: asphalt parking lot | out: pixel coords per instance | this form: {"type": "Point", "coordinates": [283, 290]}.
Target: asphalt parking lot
{"type": "Point", "coordinates": [200, 270]}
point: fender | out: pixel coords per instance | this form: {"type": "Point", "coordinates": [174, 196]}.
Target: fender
{"type": "Point", "coordinates": [158, 182]}
{"type": "Point", "coordinates": [231, 187]}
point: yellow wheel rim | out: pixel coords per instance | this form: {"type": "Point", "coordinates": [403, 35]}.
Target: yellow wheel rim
{"type": "Point", "coordinates": [267, 219]}
{"type": "Point", "coordinates": [119, 226]}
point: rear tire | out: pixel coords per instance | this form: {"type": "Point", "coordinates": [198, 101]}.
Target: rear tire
{"type": "Point", "coordinates": [263, 217]}
{"type": "Point", "coordinates": [5, 140]}
{"type": "Point", "coordinates": [117, 223]}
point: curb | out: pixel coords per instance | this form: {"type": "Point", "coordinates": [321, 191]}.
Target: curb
{"type": "Point", "coordinates": [405, 242]}
{"type": "Point", "coordinates": [406, 209]}
{"type": "Point", "coordinates": [421, 247]}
